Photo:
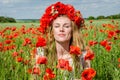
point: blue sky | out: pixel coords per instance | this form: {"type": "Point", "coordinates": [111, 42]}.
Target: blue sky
{"type": "Point", "coordinates": [33, 9]}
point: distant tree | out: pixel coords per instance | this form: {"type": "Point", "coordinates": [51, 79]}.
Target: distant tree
{"type": "Point", "coordinates": [91, 18]}
{"type": "Point", "coordinates": [101, 17]}
{"type": "Point", "coordinates": [6, 19]}
{"type": "Point", "coordinates": [10, 19]}
{"type": "Point", "coordinates": [117, 16]}
{"type": "Point", "coordinates": [2, 19]}
{"type": "Point", "coordinates": [33, 21]}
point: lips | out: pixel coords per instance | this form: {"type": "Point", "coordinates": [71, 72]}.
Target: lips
{"type": "Point", "coordinates": [62, 35]}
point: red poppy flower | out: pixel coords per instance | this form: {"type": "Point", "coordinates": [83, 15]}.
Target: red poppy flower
{"type": "Point", "coordinates": [101, 30]}
{"type": "Point", "coordinates": [75, 50]}
{"type": "Point", "coordinates": [104, 25]}
{"type": "Point", "coordinates": [40, 42]}
{"type": "Point", "coordinates": [1, 44]}
{"type": "Point", "coordinates": [88, 74]}
{"type": "Point", "coordinates": [16, 34]}
{"type": "Point", "coordinates": [29, 71]}
{"type": "Point", "coordinates": [26, 62]}
{"type": "Point", "coordinates": [117, 31]}
{"type": "Point", "coordinates": [118, 65]}
{"type": "Point", "coordinates": [13, 28]}
{"type": "Point", "coordinates": [9, 36]}
{"type": "Point", "coordinates": [118, 59]}
{"type": "Point", "coordinates": [104, 43]}
{"type": "Point", "coordinates": [41, 60]}
{"type": "Point", "coordinates": [64, 64]}
{"type": "Point", "coordinates": [41, 29]}
{"type": "Point", "coordinates": [14, 54]}
{"type": "Point", "coordinates": [36, 70]}
{"type": "Point", "coordinates": [8, 41]}
{"type": "Point", "coordinates": [49, 74]}
{"type": "Point", "coordinates": [54, 10]}
{"type": "Point", "coordinates": [19, 59]}
{"type": "Point", "coordinates": [92, 43]}
{"type": "Point", "coordinates": [111, 34]}
{"type": "Point", "coordinates": [89, 56]}
{"type": "Point", "coordinates": [91, 21]}
{"type": "Point", "coordinates": [111, 26]}
{"type": "Point", "coordinates": [27, 40]}
{"type": "Point", "coordinates": [108, 47]}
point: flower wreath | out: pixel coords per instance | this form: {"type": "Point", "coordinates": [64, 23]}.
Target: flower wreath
{"type": "Point", "coordinates": [57, 9]}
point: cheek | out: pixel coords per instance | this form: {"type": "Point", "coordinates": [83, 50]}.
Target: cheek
{"type": "Point", "coordinates": [69, 34]}
{"type": "Point", "coordinates": [55, 33]}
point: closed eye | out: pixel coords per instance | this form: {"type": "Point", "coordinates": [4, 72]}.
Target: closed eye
{"type": "Point", "coordinates": [56, 26]}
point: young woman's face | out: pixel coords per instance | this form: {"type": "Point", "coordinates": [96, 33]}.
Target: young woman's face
{"type": "Point", "coordinates": [62, 29]}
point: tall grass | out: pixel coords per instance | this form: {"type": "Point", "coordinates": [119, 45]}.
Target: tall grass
{"type": "Point", "coordinates": [105, 62]}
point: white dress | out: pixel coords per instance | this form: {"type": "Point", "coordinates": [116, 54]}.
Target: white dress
{"type": "Point", "coordinates": [40, 52]}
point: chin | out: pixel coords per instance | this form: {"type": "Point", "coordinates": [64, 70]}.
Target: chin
{"type": "Point", "coordinates": [62, 41]}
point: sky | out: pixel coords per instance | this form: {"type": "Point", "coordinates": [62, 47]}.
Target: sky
{"type": "Point", "coordinates": [34, 9]}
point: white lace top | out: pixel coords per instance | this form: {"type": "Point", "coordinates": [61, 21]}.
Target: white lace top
{"type": "Point", "coordinates": [40, 52]}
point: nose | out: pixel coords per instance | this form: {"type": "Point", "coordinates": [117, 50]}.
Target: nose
{"type": "Point", "coordinates": [61, 29]}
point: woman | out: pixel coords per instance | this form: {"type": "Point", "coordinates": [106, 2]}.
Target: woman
{"type": "Point", "coordinates": [61, 26]}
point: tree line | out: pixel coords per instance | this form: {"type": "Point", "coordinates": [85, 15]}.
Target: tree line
{"type": "Point", "coordinates": [9, 19]}
{"type": "Point", "coordinates": [116, 16]}
{"type": "Point", "coordinates": [6, 19]}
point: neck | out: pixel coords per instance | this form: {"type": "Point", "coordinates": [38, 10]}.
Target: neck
{"type": "Point", "coordinates": [62, 48]}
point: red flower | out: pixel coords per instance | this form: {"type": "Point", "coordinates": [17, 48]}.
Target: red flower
{"type": "Point", "coordinates": [101, 30]}
{"type": "Point", "coordinates": [40, 42]}
{"type": "Point", "coordinates": [26, 62]}
{"type": "Point", "coordinates": [118, 65]}
{"type": "Point", "coordinates": [41, 60]}
{"type": "Point", "coordinates": [8, 41]}
{"type": "Point", "coordinates": [88, 74]}
{"type": "Point", "coordinates": [41, 29]}
{"type": "Point", "coordinates": [9, 36]}
{"type": "Point", "coordinates": [26, 41]}
{"type": "Point", "coordinates": [14, 54]}
{"type": "Point", "coordinates": [19, 59]}
{"type": "Point", "coordinates": [91, 21]}
{"type": "Point", "coordinates": [1, 45]}
{"type": "Point", "coordinates": [75, 50]}
{"type": "Point", "coordinates": [49, 74]}
{"type": "Point", "coordinates": [92, 43]}
{"type": "Point", "coordinates": [111, 34]}
{"type": "Point", "coordinates": [108, 47]}
{"type": "Point", "coordinates": [111, 26]}
{"type": "Point", "coordinates": [57, 9]}
{"type": "Point", "coordinates": [29, 71]}
{"type": "Point", "coordinates": [89, 56]}
{"type": "Point", "coordinates": [16, 34]}
{"type": "Point", "coordinates": [117, 31]}
{"type": "Point", "coordinates": [104, 43]}
{"type": "Point", "coordinates": [64, 64]}
{"type": "Point", "coordinates": [13, 28]}
{"type": "Point", "coordinates": [119, 60]}
{"type": "Point", "coordinates": [36, 70]}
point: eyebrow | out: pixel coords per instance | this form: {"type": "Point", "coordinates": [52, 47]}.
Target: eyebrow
{"type": "Point", "coordinates": [59, 23]}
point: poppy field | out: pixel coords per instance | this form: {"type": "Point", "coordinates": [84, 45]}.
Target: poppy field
{"type": "Point", "coordinates": [18, 43]}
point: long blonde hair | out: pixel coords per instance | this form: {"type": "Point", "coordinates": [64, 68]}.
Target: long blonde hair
{"type": "Point", "coordinates": [76, 40]}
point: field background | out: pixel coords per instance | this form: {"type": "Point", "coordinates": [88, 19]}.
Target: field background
{"type": "Point", "coordinates": [106, 63]}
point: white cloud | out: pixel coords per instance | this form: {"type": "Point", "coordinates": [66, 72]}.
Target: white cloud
{"type": "Point", "coordinates": [12, 1]}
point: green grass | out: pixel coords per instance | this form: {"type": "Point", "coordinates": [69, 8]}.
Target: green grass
{"type": "Point", "coordinates": [105, 62]}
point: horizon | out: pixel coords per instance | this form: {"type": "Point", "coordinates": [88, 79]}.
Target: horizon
{"type": "Point", "coordinates": [29, 9]}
